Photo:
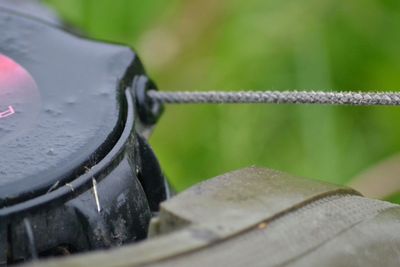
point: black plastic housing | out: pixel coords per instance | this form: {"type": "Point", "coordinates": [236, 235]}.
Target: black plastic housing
{"type": "Point", "coordinates": [80, 176]}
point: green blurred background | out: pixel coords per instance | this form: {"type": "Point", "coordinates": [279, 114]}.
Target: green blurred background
{"type": "Point", "coordinates": [259, 45]}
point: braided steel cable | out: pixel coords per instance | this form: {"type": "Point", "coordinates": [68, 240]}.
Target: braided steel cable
{"type": "Point", "coordinates": [279, 97]}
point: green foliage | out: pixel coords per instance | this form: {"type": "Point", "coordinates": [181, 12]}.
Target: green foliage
{"type": "Point", "coordinates": [395, 198]}
{"type": "Point", "coordinates": [260, 44]}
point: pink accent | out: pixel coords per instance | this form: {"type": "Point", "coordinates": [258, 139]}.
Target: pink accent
{"type": "Point", "coordinates": [7, 64]}
{"type": "Point", "coordinates": [10, 73]}
{"type": "Point", "coordinates": [10, 111]}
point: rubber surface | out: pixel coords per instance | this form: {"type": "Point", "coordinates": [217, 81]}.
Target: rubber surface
{"type": "Point", "coordinates": [260, 217]}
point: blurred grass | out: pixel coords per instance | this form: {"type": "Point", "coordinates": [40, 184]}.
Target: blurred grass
{"type": "Point", "coordinates": [260, 44]}
{"type": "Point", "coordinates": [393, 198]}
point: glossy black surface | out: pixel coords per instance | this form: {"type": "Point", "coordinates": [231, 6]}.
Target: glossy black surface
{"type": "Point", "coordinates": [80, 109]}
{"type": "Point", "coordinates": [75, 172]}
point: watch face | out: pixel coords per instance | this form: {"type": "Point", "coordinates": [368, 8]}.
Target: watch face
{"type": "Point", "coordinates": [19, 99]}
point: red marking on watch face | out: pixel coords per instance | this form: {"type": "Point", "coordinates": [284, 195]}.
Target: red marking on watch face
{"type": "Point", "coordinates": [10, 111]}
{"type": "Point", "coordinates": [19, 98]}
